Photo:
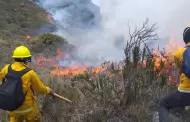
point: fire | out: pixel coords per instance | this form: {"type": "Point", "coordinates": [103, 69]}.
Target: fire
{"type": "Point", "coordinates": [158, 58]}
{"type": "Point", "coordinates": [163, 62]}
{"type": "Point", "coordinates": [28, 36]}
{"type": "Point", "coordinates": [97, 70]}
{"type": "Point", "coordinates": [59, 54]}
{"type": "Point", "coordinates": [49, 19]}
{"type": "Point", "coordinates": [45, 62]}
{"type": "Point", "coordinates": [173, 45]}
{"type": "Point", "coordinates": [71, 71]}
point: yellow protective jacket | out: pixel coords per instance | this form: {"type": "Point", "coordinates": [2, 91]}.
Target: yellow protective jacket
{"type": "Point", "coordinates": [184, 85]}
{"type": "Point", "coordinates": [30, 82]}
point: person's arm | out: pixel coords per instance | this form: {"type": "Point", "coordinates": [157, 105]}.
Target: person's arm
{"type": "Point", "coordinates": [38, 86]}
{"type": "Point", "coordinates": [177, 64]}
{"type": "Point", "coordinates": [3, 73]}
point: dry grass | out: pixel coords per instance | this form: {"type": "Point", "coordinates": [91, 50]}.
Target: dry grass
{"type": "Point", "coordinates": [19, 17]}
{"type": "Point", "coordinates": [93, 103]}
{"type": "Point", "coordinates": [117, 95]}
{"type": "Point", "coordinates": [100, 99]}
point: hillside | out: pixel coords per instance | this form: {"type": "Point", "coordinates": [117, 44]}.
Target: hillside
{"type": "Point", "coordinates": [114, 92]}
{"type": "Point", "coordinates": [20, 18]}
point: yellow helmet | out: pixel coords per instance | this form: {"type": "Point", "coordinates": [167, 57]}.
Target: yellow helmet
{"type": "Point", "coordinates": [21, 52]}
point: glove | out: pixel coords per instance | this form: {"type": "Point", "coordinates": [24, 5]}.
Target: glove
{"type": "Point", "coordinates": [51, 93]}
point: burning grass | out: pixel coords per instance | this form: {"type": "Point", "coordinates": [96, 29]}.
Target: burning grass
{"type": "Point", "coordinates": [124, 91]}
{"type": "Point", "coordinates": [101, 98]}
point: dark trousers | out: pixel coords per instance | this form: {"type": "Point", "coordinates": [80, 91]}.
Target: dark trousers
{"type": "Point", "coordinates": [173, 100]}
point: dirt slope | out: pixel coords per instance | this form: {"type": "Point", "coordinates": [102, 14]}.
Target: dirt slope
{"type": "Point", "coordinates": [19, 17]}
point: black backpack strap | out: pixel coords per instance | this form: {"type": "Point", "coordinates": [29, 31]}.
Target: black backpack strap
{"type": "Point", "coordinates": [25, 71]}
{"type": "Point", "coordinates": [18, 73]}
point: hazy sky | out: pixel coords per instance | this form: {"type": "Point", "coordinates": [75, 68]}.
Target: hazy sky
{"type": "Point", "coordinates": [172, 16]}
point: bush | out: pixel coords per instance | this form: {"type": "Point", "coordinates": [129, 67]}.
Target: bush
{"type": "Point", "coordinates": [45, 42]}
{"type": "Point", "coordinates": [46, 39]}
{"type": "Point", "coordinates": [49, 39]}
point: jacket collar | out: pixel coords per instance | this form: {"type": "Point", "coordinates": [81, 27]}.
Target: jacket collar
{"type": "Point", "coordinates": [20, 64]}
{"type": "Point", "coordinates": [188, 44]}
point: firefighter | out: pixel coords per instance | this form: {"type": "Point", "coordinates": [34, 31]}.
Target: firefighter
{"type": "Point", "coordinates": [31, 83]}
{"type": "Point", "coordinates": [180, 97]}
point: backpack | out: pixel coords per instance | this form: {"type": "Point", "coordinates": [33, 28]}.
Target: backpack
{"type": "Point", "coordinates": [186, 62]}
{"type": "Point", "coordinates": [11, 91]}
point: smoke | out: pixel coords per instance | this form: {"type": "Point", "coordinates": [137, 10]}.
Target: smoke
{"type": "Point", "coordinates": [95, 28]}
{"type": "Point", "coordinates": [171, 16]}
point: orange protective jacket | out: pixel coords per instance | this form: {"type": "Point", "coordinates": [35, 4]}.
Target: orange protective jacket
{"type": "Point", "coordinates": [30, 82]}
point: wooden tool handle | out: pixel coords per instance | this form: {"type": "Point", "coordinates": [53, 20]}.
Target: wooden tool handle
{"type": "Point", "coordinates": [61, 97]}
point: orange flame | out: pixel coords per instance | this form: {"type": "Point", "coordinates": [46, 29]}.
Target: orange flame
{"type": "Point", "coordinates": [28, 36]}
{"type": "Point", "coordinates": [70, 71]}
{"type": "Point", "coordinates": [44, 62]}
{"type": "Point", "coordinates": [59, 54]}
{"type": "Point", "coordinates": [167, 60]}
{"type": "Point", "coordinates": [49, 19]}
{"type": "Point", "coordinates": [74, 70]}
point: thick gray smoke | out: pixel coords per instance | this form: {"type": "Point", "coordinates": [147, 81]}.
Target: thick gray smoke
{"type": "Point", "coordinates": [94, 28]}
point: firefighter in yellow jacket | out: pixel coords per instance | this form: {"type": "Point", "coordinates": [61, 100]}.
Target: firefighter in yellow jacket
{"type": "Point", "coordinates": [28, 111]}
{"type": "Point", "coordinates": [180, 97]}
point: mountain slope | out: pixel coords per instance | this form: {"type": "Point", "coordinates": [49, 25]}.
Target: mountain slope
{"type": "Point", "coordinates": [19, 17]}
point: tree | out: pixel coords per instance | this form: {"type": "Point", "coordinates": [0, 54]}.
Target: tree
{"type": "Point", "coordinates": [133, 75]}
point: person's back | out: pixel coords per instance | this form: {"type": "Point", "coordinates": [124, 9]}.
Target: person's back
{"type": "Point", "coordinates": [184, 85]}
{"type": "Point", "coordinates": [30, 82]}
